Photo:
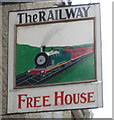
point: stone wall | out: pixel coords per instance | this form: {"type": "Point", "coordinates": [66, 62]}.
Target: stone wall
{"type": "Point", "coordinates": [0, 60]}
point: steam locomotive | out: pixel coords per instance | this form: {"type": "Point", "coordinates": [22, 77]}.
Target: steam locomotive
{"type": "Point", "coordinates": [57, 59]}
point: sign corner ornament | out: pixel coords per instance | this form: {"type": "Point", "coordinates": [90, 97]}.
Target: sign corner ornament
{"type": "Point", "coordinates": [55, 61]}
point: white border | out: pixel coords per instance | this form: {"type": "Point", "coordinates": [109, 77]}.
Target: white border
{"type": "Point", "coordinates": [84, 87]}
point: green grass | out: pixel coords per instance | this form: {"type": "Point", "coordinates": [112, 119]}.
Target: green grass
{"type": "Point", "coordinates": [25, 58]}
{"type": "Point", "coordinates": [83, 70]}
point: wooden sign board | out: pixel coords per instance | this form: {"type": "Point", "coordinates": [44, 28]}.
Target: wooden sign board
{"type": "Point", "coordinates": [54, 59]}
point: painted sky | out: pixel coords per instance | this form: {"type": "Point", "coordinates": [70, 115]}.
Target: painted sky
{"type": "Point", "coordinates": [57, 34]}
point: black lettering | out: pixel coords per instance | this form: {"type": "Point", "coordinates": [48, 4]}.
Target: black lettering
{"type": "Point", "coordinates": [42, 16]}
{"type": "Point", "coordinates": [86, 11]}
{"type": "Point", "coordinates": [56, 14]}
{"type": "Point", "coordinates": [79, 13]}
{"type": "Point", "coordinates": [35, 16]}
{"type": "Point", "coordinates": [50, 15]}
{"type": "Point", "coordinates": [20, 17]}
{"type": "Point", "coordinates": [71, 12]}
{"type": "Point", "coordinates": [61, 15]}
{"type": "Point", "coordinates": [28, 18]}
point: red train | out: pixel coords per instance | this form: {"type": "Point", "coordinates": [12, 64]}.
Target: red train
{"type": "Point", "coordinates": [78, 52]}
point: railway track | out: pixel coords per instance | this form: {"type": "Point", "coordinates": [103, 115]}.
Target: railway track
{"type": "Point", "coordinates": [28, 79]}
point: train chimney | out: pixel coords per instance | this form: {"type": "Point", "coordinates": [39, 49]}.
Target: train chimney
{"type": "Point", "coordinates": [43, 48]}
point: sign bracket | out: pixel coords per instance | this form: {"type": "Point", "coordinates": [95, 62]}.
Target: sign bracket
{"type": "Point", "coordinates": [63, 3]}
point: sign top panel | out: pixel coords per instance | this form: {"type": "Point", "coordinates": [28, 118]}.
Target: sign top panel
{"type": "Point", "coordinates": [55, 14]}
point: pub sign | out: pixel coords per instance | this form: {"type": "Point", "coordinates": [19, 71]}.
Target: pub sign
{"type": "Point", "coordinates": [54, 59]}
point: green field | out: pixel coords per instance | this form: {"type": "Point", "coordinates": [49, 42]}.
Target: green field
{"type": "Point", "coordinates": [25, 58]}
{"type": "Point", "coordinates": [83, 70]}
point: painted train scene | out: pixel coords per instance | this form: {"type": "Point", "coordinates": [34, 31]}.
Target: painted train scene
{"type": "Point", "coordinates": [57, 65]}
{"type": "Point", "coordinates": [53, 59]}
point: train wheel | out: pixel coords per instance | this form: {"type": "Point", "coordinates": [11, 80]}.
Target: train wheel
{"type": "Point", "coordinates": [42, 75]}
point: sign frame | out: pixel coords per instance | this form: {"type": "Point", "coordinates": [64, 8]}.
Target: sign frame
{"type": "Point", "coordinates": [15, 91]}
{"type": "Point", "coordinates": [65, 83]}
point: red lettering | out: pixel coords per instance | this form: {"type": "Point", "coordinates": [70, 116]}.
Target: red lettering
{"type": "Point", "coordinates": [76, 98]}
{"type": "Point", "coordinates": [36, 100]}
{"type": "Point", "coordinates": [90, 96]}
{"type": "Point", "coordinates": [83, 97]}
{"type": "Point", "coordinates": [61, 97]}
{"type": "Point", "coordinates": [68, 101]}
{"type": "Point", "coordinates": [20, 100]}
{"type": "Point", "coordinates": [29, 102]}
{"type": "Point", "coordinates": [45, 100]}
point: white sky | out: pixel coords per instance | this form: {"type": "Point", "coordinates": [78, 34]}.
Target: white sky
{"type": "Point", "coordinates": [59, 34]}
{"type": "Point", "coordinates": [106, 31]}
